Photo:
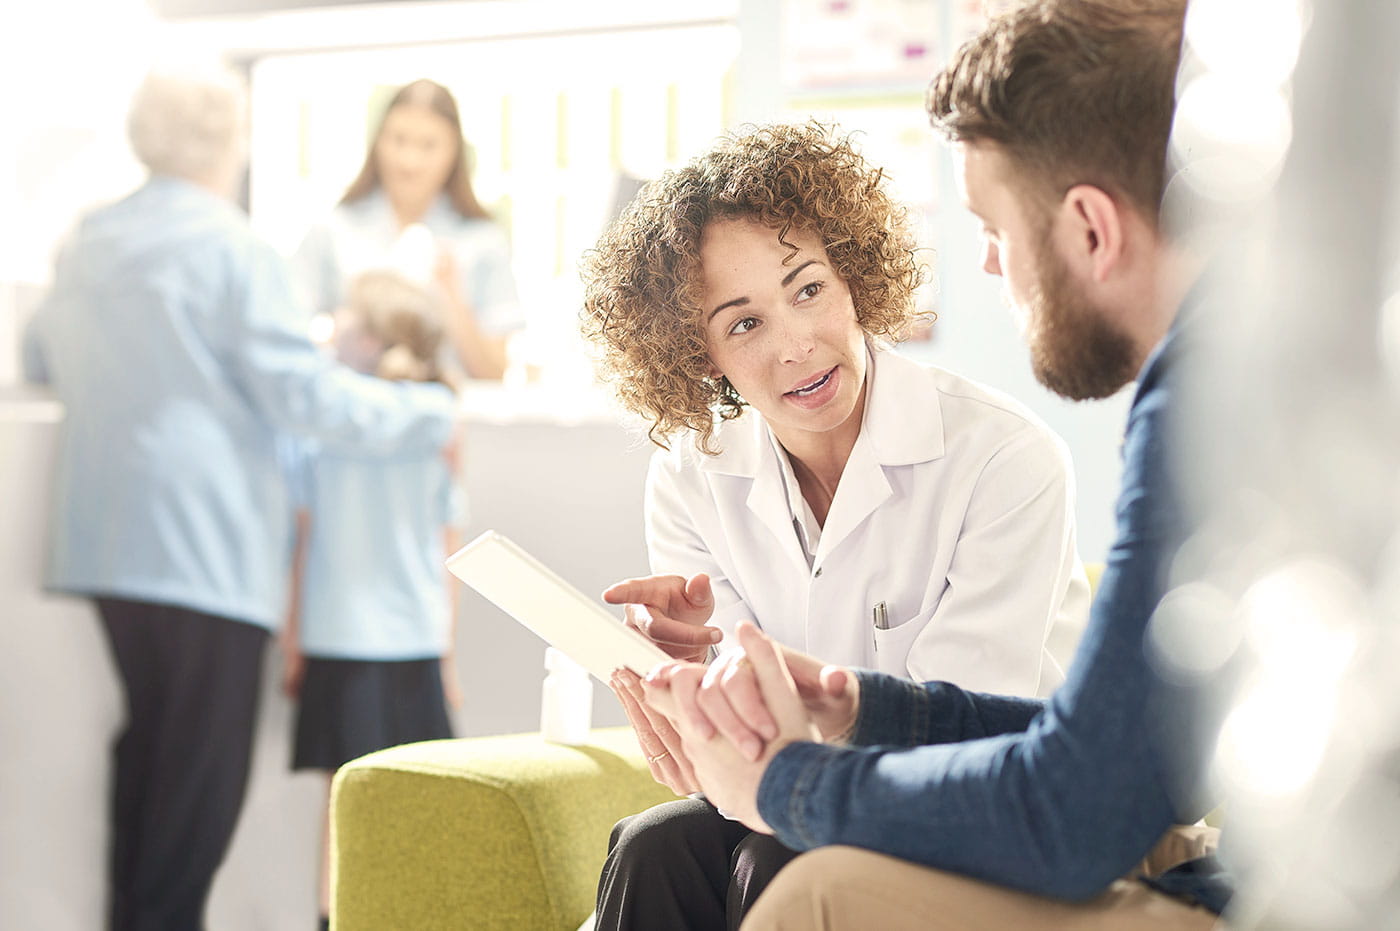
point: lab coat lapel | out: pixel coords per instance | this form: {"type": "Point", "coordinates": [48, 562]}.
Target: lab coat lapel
{"type": "Point", "coordinates": [863, 488]}
{"type": "Point", "coordinates": [900, 428]}
{"type": "Point", "coordinates": [768, 502]}
{"type": "Point", "coordinates": [748, 453]}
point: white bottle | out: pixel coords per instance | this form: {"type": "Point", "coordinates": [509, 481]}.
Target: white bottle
{"type": "Point", "coordinates": [566, 705]}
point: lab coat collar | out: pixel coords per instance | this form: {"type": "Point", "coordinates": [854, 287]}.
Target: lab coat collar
{"type": "Point", "coordinates": [890, 436]}
{"type": "Point", "coordinates": [904, 427]}
{"type": "Point", "coordinates": [900, 427]}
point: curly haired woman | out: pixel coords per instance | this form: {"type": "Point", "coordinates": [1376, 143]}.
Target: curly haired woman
{"type": "Point", "coordinates": [853, 503]}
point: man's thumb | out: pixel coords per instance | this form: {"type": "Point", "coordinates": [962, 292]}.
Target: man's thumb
{"type": "Point", "coordinates": [833, 680]}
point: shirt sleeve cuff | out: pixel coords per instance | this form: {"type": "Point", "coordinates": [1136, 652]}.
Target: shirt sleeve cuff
{"type": "Point", "coordinates": [893, 711]}
{"type": "Point", "coordinates": [786, 786]}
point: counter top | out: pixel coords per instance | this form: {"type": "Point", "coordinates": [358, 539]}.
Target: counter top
{"type": "Point", "coordinates": [542, 402]}
{"type": "Point", "coordinates": [480, 402]}
{"type": "Point", "coordinates": [29, 404]}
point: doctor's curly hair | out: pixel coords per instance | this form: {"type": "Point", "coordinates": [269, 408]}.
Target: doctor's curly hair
{"type": "Point", "coordinates": [642, 307]}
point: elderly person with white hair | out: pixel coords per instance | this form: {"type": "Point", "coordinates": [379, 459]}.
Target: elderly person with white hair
{"type": "Point", "coordinates": [172, 338]}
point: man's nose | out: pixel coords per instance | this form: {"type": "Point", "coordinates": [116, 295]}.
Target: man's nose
{"type": "Point", "coordinates": [991, 258]}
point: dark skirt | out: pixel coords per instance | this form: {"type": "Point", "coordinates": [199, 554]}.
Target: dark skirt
{"type": "Point", "coordinates": [352, 707]}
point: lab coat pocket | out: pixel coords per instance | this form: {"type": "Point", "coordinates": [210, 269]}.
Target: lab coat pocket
{"type": "Point", "coordinates": [892, 645]}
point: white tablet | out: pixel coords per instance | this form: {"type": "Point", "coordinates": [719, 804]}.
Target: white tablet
{"type": "Point", "coordinates": [527, 590]}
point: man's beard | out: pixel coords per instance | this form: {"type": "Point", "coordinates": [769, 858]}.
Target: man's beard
{"type": "Point", "coordinates": [1075, 351]}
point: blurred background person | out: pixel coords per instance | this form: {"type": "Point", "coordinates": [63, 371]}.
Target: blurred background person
{"type": "Point", "coordinates": [368, 642]}
{"type": "Point", "coordinates": [173, 340]}
{"type": "Point", "coordinates": [412, 208]}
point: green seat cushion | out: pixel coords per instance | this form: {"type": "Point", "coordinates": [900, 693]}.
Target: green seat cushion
{"type": "Point", "coordinates": [484, 832]}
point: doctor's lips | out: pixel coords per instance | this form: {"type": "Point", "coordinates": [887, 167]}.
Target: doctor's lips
{"type": "Point", "coordinates": [809, 387]}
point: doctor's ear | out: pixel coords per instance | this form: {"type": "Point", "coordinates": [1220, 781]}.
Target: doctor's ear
{"type": "Point", "coordinates": [724, 390]}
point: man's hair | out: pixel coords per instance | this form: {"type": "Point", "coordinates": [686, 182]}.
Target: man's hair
{"type": "Point", "coordinates": [1073, 92]}
{"type": "Point", "coordinates": [187, 121]}
{"type": "Point", "coordinates": [642, 299]}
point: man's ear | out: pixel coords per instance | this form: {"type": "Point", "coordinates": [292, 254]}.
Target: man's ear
{"type": "Point", "coordinates": [1095, 230]}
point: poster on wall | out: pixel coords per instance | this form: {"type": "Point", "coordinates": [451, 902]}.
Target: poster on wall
{"type": "Point", "coordinates": [865, 45]}
{"type": "Point", "coordinates": [846, 44]}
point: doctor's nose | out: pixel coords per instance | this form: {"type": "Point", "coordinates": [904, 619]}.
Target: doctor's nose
{"type": "Point", "coordinates": [798, 342]}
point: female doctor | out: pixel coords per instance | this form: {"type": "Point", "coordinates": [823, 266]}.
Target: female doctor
{"type": "Point", "coordinates": [412, 209]}
{"type": "Point", "coordinates": [851, 502]}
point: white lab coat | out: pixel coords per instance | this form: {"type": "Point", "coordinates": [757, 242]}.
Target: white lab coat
{"type": "Point", "coordinates": [955, 510]}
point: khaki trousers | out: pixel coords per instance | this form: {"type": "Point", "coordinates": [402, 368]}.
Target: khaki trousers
{"type": "Point", "coordinates": [850, 889]}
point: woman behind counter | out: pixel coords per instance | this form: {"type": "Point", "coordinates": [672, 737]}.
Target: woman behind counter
{"type": "Point", "coordinates": [413, 196]}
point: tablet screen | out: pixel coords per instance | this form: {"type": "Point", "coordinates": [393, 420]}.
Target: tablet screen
{"type": "Point", "coordinates": [537, 597]}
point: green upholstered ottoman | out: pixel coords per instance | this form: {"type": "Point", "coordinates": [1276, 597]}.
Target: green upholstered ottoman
{"type": "Point", "coordinates": [483, 832]}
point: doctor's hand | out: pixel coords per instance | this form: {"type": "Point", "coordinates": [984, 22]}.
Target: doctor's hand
{"type": "Point", "coordinates": [728, 775]}
{"type": "Point", "coordinates": [660, 743]}
{"type": "Point", "coordinates": [671, 611]}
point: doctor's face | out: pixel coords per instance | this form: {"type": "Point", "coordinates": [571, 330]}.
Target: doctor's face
{"type": "Point", "coordinates": [415, 153]}
{"type": "Point", "coordinates": [781, 327]}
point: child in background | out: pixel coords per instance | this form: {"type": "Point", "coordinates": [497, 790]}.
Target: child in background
{"type": "Point", "coordinates": [368, 640]}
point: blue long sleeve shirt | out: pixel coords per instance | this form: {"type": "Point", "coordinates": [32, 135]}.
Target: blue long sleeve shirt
{"type": "Point", "coordinates": [1057, 797]}
{"type": "Point", "coordinates": [172, 338]}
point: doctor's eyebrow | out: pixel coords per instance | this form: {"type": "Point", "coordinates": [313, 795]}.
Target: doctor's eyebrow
{"type": "Point", "coordinates": [787, 279]}
{"type": "Point", "coordinates": [737, 302]}
{"type": "Point", "coordinates": [743, 301]}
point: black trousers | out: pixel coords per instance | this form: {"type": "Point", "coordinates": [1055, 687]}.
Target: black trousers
{"type": "Point", "coordinates": [682, 865]}
{"type": "Point", "coordinates": [191, 683]}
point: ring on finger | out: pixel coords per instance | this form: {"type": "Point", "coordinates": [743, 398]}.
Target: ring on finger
{"type": "Point", "coordinates": [660, 756]}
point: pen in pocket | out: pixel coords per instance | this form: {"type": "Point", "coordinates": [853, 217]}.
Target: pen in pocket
{"type": "Point", "coordinates": [881, 616]}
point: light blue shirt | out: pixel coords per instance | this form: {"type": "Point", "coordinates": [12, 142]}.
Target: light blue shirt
{"type": "Point", "coordinates": [366, 234]}
{"type": "Point", "coordinates": [373, 583]}
{"type": "Point", "coordinates": [173, 341]}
